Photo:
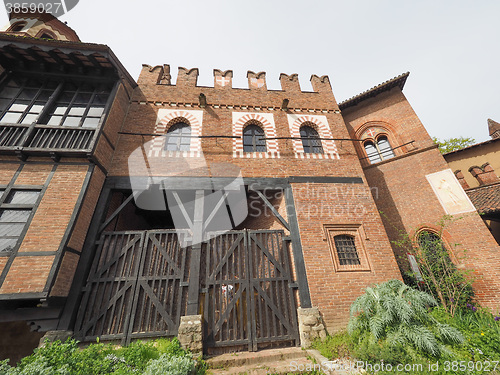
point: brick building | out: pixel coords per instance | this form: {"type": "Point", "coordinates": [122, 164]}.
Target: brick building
{"type": "Point", "coordinates": [128, 205]}
{"type": "Point", "coordinates": [476, 168]}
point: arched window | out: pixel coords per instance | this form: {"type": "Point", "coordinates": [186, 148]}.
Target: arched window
{"type": "Point", "coordinates": [431, 245]}
{"type": "Point", "coordinates": [385, 147]}
{"type": "Point", "coordinates": [310, 140]}
{"type": "Point", "coordinates": [253, 139]}
{"type": "Point", "coordinates": [17, 27]}
{"type": "Point", "coordinates": [372, 152]}
{"type": "Point", "coordinates": [379, 150]}
{"type": "Point", "coordinates": [346, 250]}
{"type": "Point", "coordinates": [178, 137]}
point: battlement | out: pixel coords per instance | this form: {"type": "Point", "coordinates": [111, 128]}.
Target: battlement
{"type": "Point", "coordinates": [223, 80]}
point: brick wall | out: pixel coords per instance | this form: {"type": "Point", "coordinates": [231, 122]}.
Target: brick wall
{"type": "Point", "coordinates": [30, 269]}
{"type": "Point", "coordinates": [114, 121]}
{"type": "Point", "coordinates": [407, 200]}
{"type": "Point", "coordinates": [320, 204]}
{"type": "Point", "coordinates": [317, 204]}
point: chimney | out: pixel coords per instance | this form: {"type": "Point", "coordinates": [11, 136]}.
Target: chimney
{"type": "Point", "coordinates": [460, 177]}
{"type": "Point", "coordinates": [494, 129]}
{"type": "Point", "coordinates": [484, 174]}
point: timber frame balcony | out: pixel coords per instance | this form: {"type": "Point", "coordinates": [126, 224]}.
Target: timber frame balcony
{"type": "Point", "coordinates": [46, 140]}
{"type": "Point", "coordinates": [64, 62]}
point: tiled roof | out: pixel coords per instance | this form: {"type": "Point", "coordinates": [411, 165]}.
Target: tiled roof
{"type": "Point", "coordinates": [493, 126]}
{"type": "Point", "coordinates": [472, 146]}
{"type": "Point", "coordinates": [486, 199]}
{"type": "Point", "coordinates": [386, 86]}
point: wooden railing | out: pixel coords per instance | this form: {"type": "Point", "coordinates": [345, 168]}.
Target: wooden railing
{"type": "Point", "coordinates": [12, 135]}
{"type": "Point", "coordinates": [45, 138]}
{"type": "Point", "coordinates": [61, 138]}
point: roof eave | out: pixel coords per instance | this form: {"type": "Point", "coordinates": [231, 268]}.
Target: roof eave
{"type": "Point", "coordinates": [68, 47]}
{"type": "Point", "coordinates": [398, 81]}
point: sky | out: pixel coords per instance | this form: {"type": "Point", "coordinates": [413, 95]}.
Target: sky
{"type": "Point", "coordinates": [450, 47]}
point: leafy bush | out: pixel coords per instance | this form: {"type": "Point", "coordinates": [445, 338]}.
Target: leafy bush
{"type": "Point", "coordinates": [481, 331]}
{"type": "Point", "coordinates": [339, 345]}
{"type": "Point", "coordinates": [137, 358]}
{"type": "Point", "coordinates": [396, 315]}
{"type": "Point", "coordinates": [170, 365]}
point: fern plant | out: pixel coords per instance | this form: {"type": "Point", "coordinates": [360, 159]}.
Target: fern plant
{"type": "Point", "coordinates": [399, 315]}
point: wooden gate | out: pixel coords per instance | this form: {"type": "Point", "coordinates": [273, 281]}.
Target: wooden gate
{"type": "Point", "coordinates": [247, 285]}
{"type": "Point", "coordinates": [137, 287]}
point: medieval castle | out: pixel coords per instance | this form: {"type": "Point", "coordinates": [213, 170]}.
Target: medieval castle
{"type": "Point", "coordinates": [129, 208]}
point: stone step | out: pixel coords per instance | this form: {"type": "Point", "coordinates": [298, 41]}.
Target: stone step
{"type": "Point", "coordinates": [270, 361]}
{"type": "Point", "coordinates": [251, 358]}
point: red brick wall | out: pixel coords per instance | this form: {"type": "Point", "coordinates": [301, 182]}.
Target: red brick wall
{"type": "Point", "coordinates": [317, 204]}
{"type": "Point", "coordinates": [407, 200]}
{"type": "Point", "coordinates": [69, 263]}
{"type": "Point", "coordinates": [320, 204]}
{"type": "Point", "coordinates": [29, 274]}
{"type": "Point", "coordinates": [65, 275]}
{"type": "Point", "coordinates": [114, 121]}
{"type": "Point", "coordinates": [7, 171]}
{"type": "Point", "coordinates": [53, 215]}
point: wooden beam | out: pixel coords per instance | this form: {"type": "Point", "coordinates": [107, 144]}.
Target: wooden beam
{"type": "Point", "coordinates": [273, 209]}
{"type": "Point", "coordinates": [114, 214]}
{"type": "Point", "coordinates": [298, 255]}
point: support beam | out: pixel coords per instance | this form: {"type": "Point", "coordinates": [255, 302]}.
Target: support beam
{"type": "Point", "coordinates": [298, 255]}
{"type": "Point", "coordinates": [273, 209]}
{"type": "Point", "coordinates": [114, 214]}
{"type": "Point", "coordinates": [194, 270]}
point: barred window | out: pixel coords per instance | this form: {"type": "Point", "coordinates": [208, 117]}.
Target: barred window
{"type": "Point", "coordinates": [178, 137]}
{"type": "Point", "coordinates": [310, 140]}
{"type": "Point", "coordinates": [15, 212]}
{"type": "Point", "coordinates": [346, 250]}
{"type": "Point", "coordinates": [252, 139]}
{"type": "Point", "coordinates": [52, 102]}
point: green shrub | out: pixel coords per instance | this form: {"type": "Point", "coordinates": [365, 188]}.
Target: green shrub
{"type": "Point", "coordinates": [396, 315]}
{"type": "Point", "coordinates": [481, 331]}
{"type": "Point", "coordinates": [4, 367]}
{"type": "Point", "coordinates": [170, 365]}
{"type": "Point", "coordinates": [137, 358]}
{"type": "Point", "coordinates": [339, 345]}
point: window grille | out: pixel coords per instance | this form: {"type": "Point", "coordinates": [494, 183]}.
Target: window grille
{"type": "Point", "coordinates": [346, 250]}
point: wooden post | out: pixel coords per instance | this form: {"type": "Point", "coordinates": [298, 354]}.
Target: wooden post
{"type": "Point", "coordinates": [298, 255]}
{"type": "Point", "coordinates": [194, 269]}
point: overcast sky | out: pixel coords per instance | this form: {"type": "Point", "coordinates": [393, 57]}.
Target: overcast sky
{"type": "Point", "coordinates": [450, 47]}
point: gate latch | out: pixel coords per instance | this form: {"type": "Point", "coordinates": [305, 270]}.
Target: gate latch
{"type": "Point", "coordinates": [293, 286]}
